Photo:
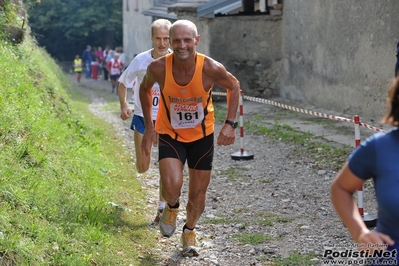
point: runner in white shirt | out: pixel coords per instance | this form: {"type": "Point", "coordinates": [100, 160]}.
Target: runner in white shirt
{"type": "Point", "coordinates": [134, 74]}
{"type": "Point", "coordinates": [137, 70]}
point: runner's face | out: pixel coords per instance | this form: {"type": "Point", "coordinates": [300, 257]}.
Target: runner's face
{"type": "Point", "coordinates": [160, 39]}
{"type": "Point", "coordinates": [183, 42]}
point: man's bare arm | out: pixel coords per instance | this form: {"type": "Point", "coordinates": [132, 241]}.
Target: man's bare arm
{"type": "Point", "coordinates": [233, 94]}
{"type": "Point", "coordinates": [125, 110]}
{"type": "Point", "coordinates": [226, 80]}
{"type": "Point", "coordinates": [145, 94]}
{"type": "Point", "coordinates": [218, 74]}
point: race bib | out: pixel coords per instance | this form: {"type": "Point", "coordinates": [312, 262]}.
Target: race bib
{"type": "Point", "coordinates": [186, 116]}
{"type": "Point", "coordinates": [156, 92]}
{"type": "Point", "coordinates": [115, 71]}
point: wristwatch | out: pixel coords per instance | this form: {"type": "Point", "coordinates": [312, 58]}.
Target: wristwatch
{"type": "Point", "coordinates": [231, 123]}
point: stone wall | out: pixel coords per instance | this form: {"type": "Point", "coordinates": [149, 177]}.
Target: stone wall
{"type": "Point", "coordinates": [340, 55]}
{"type": "Point", "coordinates": [250, 48]}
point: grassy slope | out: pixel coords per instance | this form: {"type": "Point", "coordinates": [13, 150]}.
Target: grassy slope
{"type": "Point", "coordinates": [59, 169]}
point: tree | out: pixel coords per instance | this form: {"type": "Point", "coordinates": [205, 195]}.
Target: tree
{"type": "Point", "coordinates": [64, 28]}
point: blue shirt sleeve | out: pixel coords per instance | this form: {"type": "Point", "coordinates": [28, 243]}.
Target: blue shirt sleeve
{"type": "Point", "coordinates": [362, 162]}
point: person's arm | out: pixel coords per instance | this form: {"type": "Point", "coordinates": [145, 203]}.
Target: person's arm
{"type": "Point", "coordinates": [108, 66]}
{"type": "Point", "coordinates": [342, 190]}
{"type": "Point", "coordinates": [233, 96]}
{"type": "Point", "coordinates": [127, 80]}
{"type": "Point", "coordinates": [125, 110]}
{"type": "Point", "coordinates": [219, 75]}
{"type": "Point", "coordinates": [145, 94]}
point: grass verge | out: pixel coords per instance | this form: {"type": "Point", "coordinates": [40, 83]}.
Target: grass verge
{"type": "Point", "coordinates": [68, 195]}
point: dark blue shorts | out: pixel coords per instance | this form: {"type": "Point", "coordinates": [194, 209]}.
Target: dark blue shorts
{"type": "Point", "coordinates": [115, 77]}
{"type": "Point", "coordinates": [138, 124]}
{"type": "Point", "coordinates": [199, 153]}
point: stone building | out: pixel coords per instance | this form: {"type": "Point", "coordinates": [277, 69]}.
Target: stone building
{"type": "Point", "coordinates": [339, 55]}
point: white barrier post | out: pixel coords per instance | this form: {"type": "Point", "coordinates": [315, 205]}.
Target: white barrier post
{"type": "Point", "coordinates": [368, 219]}
{"type": "Point", "coordinates": [242, 154]}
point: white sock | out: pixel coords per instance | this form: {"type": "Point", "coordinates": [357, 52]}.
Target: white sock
{"type": "Point", "coordinates": [161, 204]}
{"type": "Point", "coordinates": [187, 231]}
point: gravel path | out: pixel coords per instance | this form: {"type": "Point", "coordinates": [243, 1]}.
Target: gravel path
{"type": "Point", "coordinates": [273, 206]}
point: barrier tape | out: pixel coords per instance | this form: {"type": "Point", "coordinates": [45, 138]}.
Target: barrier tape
{"type": "Point", "coordinates": [371, 127]}
{"type": "Point", "coordinates": [300, 110]}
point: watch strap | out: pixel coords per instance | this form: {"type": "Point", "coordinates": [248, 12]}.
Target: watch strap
{"type": "Point", "coordinates": [231, 123]}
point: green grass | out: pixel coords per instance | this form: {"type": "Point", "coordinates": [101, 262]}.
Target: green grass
{"type": "Point", "coordinates": [235, 173]}
{"type": "Point", "coordinates": [241, 210]}
{"type": "Point", "coordinates": [220, 113]}
{"type": "Point", "coordinates": [295, 258]}
{"type": "Point", "coordinates": [284, 219]}
{"type": "Point", "coordinates": [267, 181]}
{"type": "Point", "coordinates": [60, 169]}
{"type": "Point", "coordinates": [252, 238]}
{"type": "Point", "coordinates": [269, 219]}
{"type": "Point", "coordinates": [324, 155]}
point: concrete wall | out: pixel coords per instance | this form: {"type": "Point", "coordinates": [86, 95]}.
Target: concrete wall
{"type": "Point", "coordinates": [136, 28]}
{"type": "Point", "coordinates": [340, 55]}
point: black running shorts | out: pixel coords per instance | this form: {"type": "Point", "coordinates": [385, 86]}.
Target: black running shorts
{"type": "Point", "coordinates": [199, 153]}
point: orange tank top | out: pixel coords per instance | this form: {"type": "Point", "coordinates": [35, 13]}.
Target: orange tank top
{"type": "Point", "coordinates": [186, 112]}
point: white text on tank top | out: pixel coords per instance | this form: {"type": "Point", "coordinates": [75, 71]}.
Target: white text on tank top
{"type": "Point", "coordinates": [186, 112]}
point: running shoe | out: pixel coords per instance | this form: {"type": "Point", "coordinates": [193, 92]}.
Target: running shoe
{"type": "Point", "coordinates": [167, 223]}
{"type": "Point", "coordinates": [155, 223]}
{"type": "Point", "coordinates": [189, 242]}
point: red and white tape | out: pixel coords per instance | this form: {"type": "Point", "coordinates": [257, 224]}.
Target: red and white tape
{"type": "Point", "coordinates": [300, 110]}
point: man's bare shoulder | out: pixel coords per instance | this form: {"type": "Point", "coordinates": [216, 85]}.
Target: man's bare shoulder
{"type": "Point", "coordinates": [213, 68]}
{"type": "Point", "coordinates": [157, 65]}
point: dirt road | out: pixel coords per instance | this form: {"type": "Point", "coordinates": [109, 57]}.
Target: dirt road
{"type": "Point", "coordinates": [273, 207]}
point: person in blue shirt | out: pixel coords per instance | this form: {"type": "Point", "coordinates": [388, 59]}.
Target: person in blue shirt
{"type": "Point", "coordinates": [397, 60]}
{"type": "Point", "coordinates": [376, 158]}
{"type": "Point", "coordinates": [87, 59]}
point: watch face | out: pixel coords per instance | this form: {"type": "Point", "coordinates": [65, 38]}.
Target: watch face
{"type": "Point", "coordinates": [231, 123]}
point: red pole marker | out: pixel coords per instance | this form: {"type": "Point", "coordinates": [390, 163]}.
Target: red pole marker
{"type": "Point", "coordinates": [242, 154]}
{"type": "Point", "coordinates": [368, 219]}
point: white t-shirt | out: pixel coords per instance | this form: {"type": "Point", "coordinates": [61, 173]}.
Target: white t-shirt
{"type": "Point", "coordinates": [137, 69]}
